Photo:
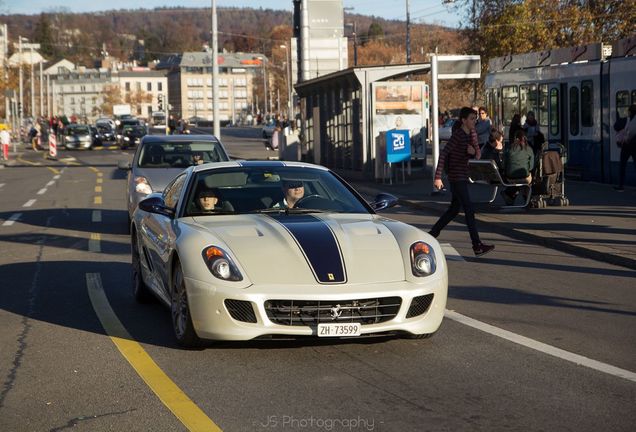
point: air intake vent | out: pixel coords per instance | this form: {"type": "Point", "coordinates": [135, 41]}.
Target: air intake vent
{"type": "Point", "coordinates": [241, 310]}
{"type": "Point", "coordinates": [419, 305]}
{"type": "Point", "coordinates": [311, 312]}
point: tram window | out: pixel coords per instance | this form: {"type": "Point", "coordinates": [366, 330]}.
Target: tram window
{"type": "Point", "coordinates": [587, 108]}
{"type": "Point", "coordinates": [543, 105]}
{"type": "Point", "coordinates": [622, 102]}
{"type": "Point", "coordinates": [528, 98]}
{"type": "Point", "coordinates": [574, 111]}
{"type": "Point", "coordinates": [554, 112]}
{"type": "Point", "coordinates": [510, 96]}
{"type": "Point", "coordinates": [634, 96]}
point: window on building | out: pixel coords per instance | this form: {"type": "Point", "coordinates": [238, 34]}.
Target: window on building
{"type": "Point", "coordinates": [127, 86]}
{"type": "Point", "coordinates": [149, 86]}
{"type": "Point", "coordinates": [587, 104]}
{"type": "Point", "coordinates": [160, 86]}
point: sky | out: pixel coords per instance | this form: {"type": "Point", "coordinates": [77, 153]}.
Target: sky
{"type": "Point", "coordinates": [421, 11]}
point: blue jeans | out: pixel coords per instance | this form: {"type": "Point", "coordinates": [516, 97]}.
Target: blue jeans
{"type": "Point", "coordinates": [460, 198]}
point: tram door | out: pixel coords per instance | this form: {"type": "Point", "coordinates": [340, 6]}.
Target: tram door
{"type": "Point", "coordinates": [557, 103]}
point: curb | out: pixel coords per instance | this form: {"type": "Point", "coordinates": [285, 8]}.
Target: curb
{"type": "Point", "coordinates": [529, 236]}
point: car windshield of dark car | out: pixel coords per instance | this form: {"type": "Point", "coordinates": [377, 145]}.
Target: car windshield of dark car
{"type": "Point", "coordinates": [180, 154]}
{"type": "Point", "coordinates": [260, 190]}
{"type": "Point", "coordinates": [134, 130]}
{"type": "Point", "coordinates": [77, 131]}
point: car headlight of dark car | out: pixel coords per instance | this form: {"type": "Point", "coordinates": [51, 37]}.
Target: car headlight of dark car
{"type": "Point", "coordinates": [220, 264]}
{"type": "Point", "coordinates": [423, 261]}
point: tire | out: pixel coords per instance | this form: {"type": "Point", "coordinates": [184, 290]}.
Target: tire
{"type": "Point", "coordinates": [180, 311]}
{"type": "Point", "coordinates": [141, 292]}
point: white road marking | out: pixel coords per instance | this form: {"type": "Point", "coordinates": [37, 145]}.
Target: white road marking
{"type": "Point", "coordinates": [2, 184]}
{"type": "Point", "coordinates": [97, 216]}
{"type": "Point", "coordinates": [29, 203]}
{"type": "Point", "coordinates": [14, 217]}
{"type": "Point", "coordinates": [42, 191]}
{"type": "Point", "coordinates": [56, 177]}
{"type": "Point", "coordinates": [94, 244]}
{"type": "Point", "coordinates": [451, 253]}
{"type": "Point", "coordinates": [51, 183]}
{"type": "Point", "coordinates": [541, 347]}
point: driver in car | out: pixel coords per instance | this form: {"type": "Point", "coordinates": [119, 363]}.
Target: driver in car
{"type": "Point", "coordinates": [293, 191]}
{"type": "Point", "coordinates": [209, 200]}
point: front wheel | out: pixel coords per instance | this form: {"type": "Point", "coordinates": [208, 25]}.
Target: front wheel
{"type": "Point", "coordinates": [181, 319]}
{"type": "Point", "coordinates": [141, 292]}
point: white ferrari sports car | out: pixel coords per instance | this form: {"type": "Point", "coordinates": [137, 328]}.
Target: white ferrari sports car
{"type": "Point", "coordinates": [260, 249]}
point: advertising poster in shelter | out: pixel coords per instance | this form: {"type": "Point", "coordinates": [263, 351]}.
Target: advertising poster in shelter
{"type": "Point", "coordinates": [399, 105]}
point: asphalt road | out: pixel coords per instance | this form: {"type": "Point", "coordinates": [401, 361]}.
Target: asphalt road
{"type": "Point", "coordinates": [60, 370]}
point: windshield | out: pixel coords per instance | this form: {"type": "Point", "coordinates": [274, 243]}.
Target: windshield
{"type": "Point", "coordinates": [269, 190]}
{"type": "Point", "coordinates": [180, 154]}
{"type": "Point", "coordinates": [78, 130]}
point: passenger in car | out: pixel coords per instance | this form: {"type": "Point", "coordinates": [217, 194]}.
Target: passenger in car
{"type": "Point", "coordinates": [293, 191]}
{"type": "Point", "coordinates": [209, 200]}
{"type": "Point", "coordinates": [197, 158]}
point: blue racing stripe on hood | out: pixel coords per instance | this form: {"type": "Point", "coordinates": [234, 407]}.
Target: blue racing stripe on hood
{"type": "Point", "coordinates": [319, 245]}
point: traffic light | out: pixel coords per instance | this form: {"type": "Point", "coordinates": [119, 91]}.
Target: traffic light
{"type": "Point", "coordinates": [160, 100]}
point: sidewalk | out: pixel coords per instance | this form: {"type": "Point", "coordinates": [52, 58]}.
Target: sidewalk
{"type": "Point", "coordinates": [599, 223]}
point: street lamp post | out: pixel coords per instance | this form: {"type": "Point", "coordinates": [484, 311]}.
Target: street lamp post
{"type": "Point", "coordinates": [290, 112]}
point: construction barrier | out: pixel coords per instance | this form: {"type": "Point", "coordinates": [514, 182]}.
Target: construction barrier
{"type": "Point", "coordinates": [52, 146]}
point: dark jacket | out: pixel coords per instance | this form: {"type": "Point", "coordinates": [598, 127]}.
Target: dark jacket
{"type": "Point", "coordinates": [519, 162]}
{"type": "Point", "coordinates": [489, 152]}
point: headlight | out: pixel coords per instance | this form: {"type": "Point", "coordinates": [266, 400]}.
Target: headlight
{"type": "Point", "coordinates": [220, 264]}
{"type": "Point", "coordinates": [126, 139]}
{"type": "Point", "coordinates": [422, 259]}
{"type": "Point", "coordinates": [142, 185]}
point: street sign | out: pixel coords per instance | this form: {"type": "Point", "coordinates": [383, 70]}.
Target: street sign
{"type": "Point", "coordinates": [398, 145]}
{"type": "Point", "coordinates": [459, 67]}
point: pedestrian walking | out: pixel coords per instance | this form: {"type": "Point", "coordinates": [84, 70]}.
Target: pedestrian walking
{"type": "Point", "coordinates": [627, 144]}
{"type": "Point", "coordinates": [461, 147]}
{"type": "Point", "coordinates": [5, 140]}
{"type": "Point", "coordinates": [483, 127]}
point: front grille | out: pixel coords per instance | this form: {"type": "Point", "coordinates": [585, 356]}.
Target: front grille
{"type": "Point", "coordinates": [241, 310]}
{"type": "Point", "coordinates": [310, 312]}
{"type": "Point", "coordinates": [419, 305]}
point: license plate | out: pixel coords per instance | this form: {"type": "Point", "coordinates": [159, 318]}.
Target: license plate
{"type": "Point", "coordinates": [339, 330]}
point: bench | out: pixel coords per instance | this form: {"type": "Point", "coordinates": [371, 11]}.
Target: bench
{"type": "Point", "coordinates": [486, 172]}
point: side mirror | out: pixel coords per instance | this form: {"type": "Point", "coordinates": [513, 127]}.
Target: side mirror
{"type": "Point", "coordinates": [156, 205]}
{"type": "Point", "coordinates": [383, 201]}
{"type": "Point", "coordinates": [124, 165]}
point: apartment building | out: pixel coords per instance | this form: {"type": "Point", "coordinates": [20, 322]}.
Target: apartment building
{"type": "Point", "coordinates": [190, 84]}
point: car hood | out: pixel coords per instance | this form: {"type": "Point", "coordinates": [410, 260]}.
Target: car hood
{"type": "Point", "coordinates": [309, 249]}
{"type": "Point", "coordinates": [158, 177]}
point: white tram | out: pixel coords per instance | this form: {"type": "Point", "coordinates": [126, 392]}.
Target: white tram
{"type": "Point", "coordinates": [576, 94]}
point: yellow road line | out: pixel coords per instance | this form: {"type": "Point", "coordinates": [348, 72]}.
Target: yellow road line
{"type": "Point", "coordinates": [95, 170]}
{"type": "Point", "coordinates": [100, 180]}
{"type": "Point", "coordinates": [94, 244]}
{"type": "Point", "coordinates": [98, 188]}
{"type": "Point", "coordinates": [98, 200]}
{"type": "Point", "coordinates": [166, 390]}
{"type": "Point", "coordinates": [28, 162]}
{"type": "Point", "coordinates": [53, 170]}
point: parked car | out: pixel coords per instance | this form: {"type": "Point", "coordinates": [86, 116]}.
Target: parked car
{"type": "Point", "coordinates": [78, 136]}
{"type": "Point", "coordinates": [159, 158]}
{"type": "Point", "coordinates": [446, 130]}
{"type": "Point", "coordinates": [328, 267]}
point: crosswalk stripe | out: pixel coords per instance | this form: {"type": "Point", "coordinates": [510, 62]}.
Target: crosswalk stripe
{"type": "Point", "coordinates": [14, 217]}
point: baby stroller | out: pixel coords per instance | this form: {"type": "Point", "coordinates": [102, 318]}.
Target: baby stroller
{"type": "Point", "coordinates": [549, 182]}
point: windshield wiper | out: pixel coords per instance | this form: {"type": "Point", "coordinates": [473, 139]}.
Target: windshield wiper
{"type": "Point", "coordinates": [287, 210]}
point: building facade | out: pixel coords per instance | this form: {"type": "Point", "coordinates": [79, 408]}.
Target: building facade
{"type": "Point", "coordinates": [189, 78]}
{"type": "Point", "coordinates": [143, 88]}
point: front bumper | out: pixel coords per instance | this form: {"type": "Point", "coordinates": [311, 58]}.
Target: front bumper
{"type": "Point", "coordinates": [213, 319]}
